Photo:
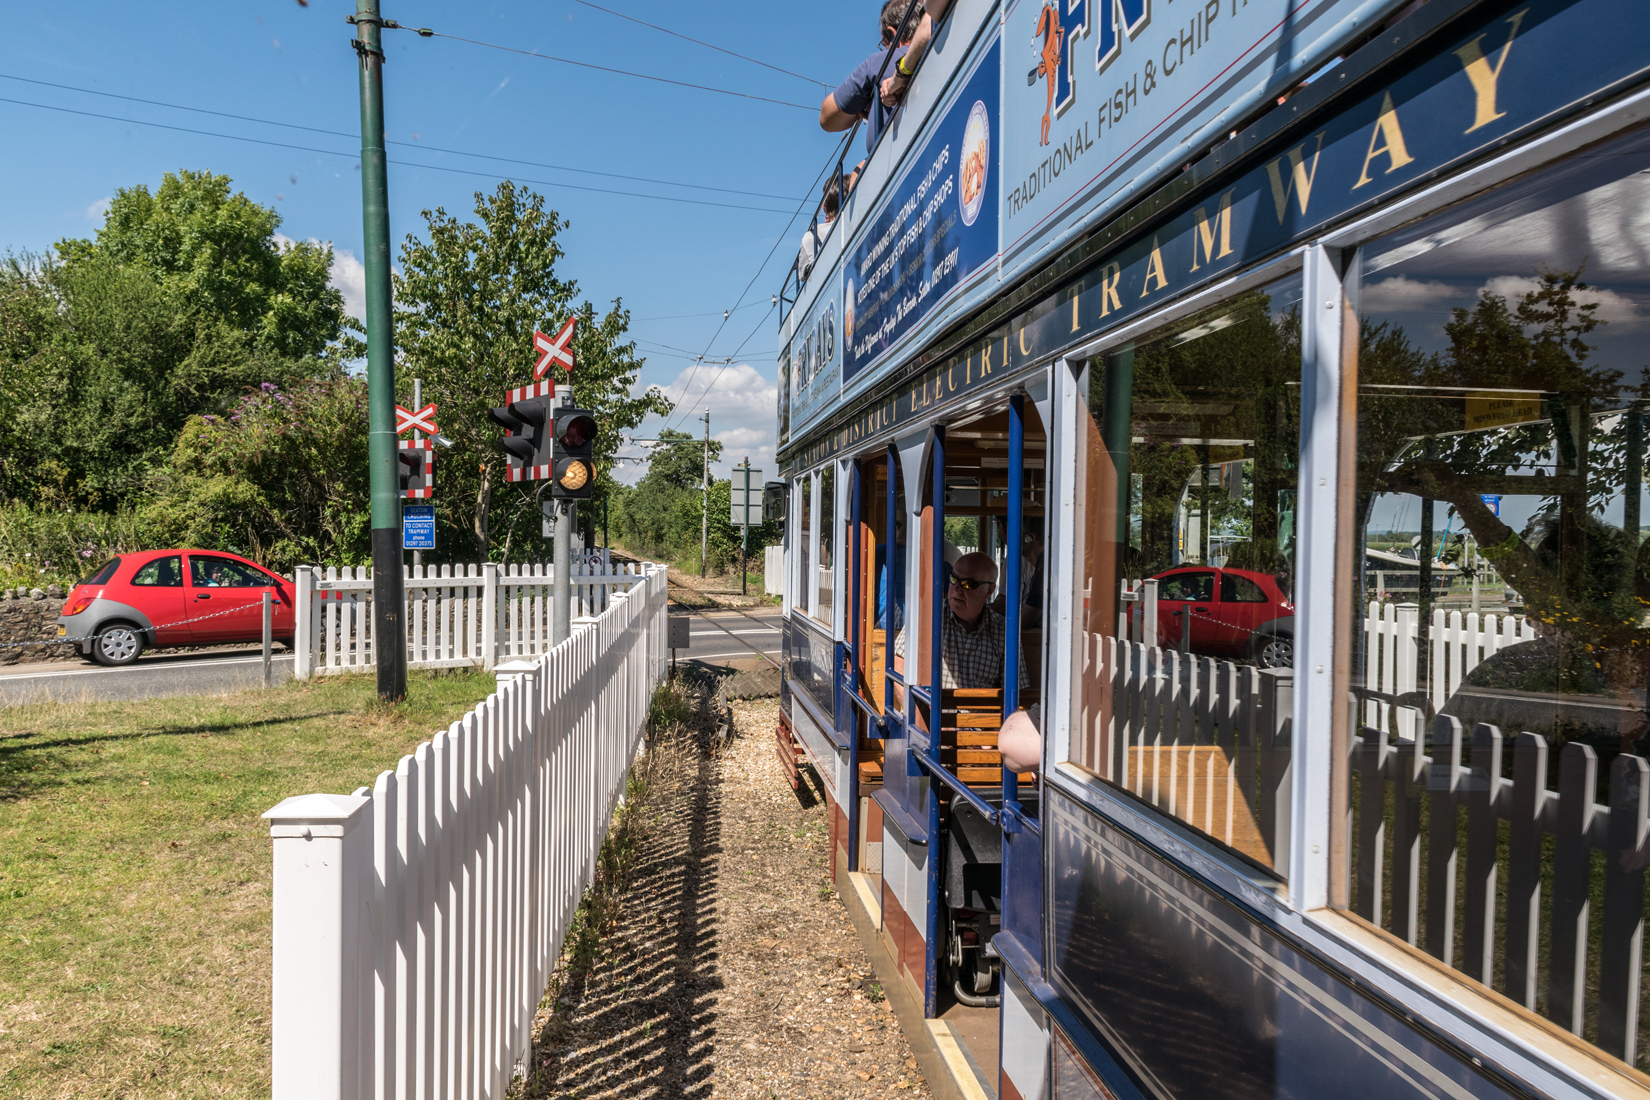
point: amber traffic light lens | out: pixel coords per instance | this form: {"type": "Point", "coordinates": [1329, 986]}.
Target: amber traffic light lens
{"type": "Point", "coordinates": [574, 477]}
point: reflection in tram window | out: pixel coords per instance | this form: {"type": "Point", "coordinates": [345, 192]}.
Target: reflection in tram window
{"type": "Point", "coordinates": [1188, 526]}
{"type": "Point", "coordinates": [1500, 511]}
{"type": "Point", "coordinates": [826, 543]}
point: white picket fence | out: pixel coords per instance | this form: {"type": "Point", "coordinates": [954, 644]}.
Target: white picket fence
{"type": "Point", "coordinates": [417, 924]}
{"type": "Point", "coordinates": [457, 615]}
{"type": "Point", "coordinates": [1456, 644]}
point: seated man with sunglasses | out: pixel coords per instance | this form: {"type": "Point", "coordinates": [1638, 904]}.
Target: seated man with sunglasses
{"type": "Point", "coordinates": [974, 638]}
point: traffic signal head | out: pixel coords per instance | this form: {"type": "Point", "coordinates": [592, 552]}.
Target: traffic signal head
{"type": "Point", "coordinates": [574, 470]}
{"type": "Point", "coordinates": [416, 468]}
{"type": "Point", "coordinates": [526, 419]}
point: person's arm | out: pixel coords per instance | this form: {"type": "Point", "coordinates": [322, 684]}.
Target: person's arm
{"type": "Point", "coordinates": [833, 119]}
{"type": "Point", "coordinates": [894, 87]}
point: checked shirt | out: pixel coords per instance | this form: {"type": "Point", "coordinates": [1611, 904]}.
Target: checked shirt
{"type": "Point", "coordinates": [971, 659]}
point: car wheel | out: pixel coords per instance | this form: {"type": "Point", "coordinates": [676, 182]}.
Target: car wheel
{"type": "Point", "coordinates": [1273, 649]}
{"type": "Point", "coordinates": [117, 644]}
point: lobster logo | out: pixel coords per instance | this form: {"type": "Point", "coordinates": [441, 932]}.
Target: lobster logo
{"type": "Point", "coordinates": [1055, 30]}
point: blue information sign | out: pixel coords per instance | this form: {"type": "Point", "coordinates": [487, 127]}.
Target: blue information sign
{"type": "Point", "coordinates": [1492, 501]}
{"type": "Point", "coordinates": [418, 527]}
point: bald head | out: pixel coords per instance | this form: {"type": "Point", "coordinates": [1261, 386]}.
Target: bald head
{"type": "Point", "coordinates": [976, 566]}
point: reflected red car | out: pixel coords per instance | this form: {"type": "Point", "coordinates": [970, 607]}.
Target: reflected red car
{"type": "Point", "coordinates": [1233, 613]}
{"type": "Point", "coordinates": [173, 598]}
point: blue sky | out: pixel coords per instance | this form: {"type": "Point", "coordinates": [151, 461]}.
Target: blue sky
{"type": "Point", "coordinates": [677, 265]}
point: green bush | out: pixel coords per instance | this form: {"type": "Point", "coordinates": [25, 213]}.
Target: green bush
{"type": "Point", "coordinates": [40, 547]}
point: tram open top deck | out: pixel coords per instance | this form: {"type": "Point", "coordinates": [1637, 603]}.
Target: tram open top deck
{"type": "Point", "coordinates": [1281, 363]}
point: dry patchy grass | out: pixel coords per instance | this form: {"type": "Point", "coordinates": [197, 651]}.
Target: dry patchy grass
{"type": "Point", "coordinates": [135, 874]}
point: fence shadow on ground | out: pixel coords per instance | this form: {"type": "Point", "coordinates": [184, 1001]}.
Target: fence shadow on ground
{"type": "Point", "coordinates": [640, 1019]}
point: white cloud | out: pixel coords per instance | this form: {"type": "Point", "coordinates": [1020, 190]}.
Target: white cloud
{"type": "Point", "coordinates": [1401, 294]}
{"type": "Point", "coordinates": [1613, 308]}
{"type": "Point", "coordinates": [98, 210]}
{"type": "Point", "coordinates": [348, 275]}
{"type": "Point", "coordinates": [743, 416]}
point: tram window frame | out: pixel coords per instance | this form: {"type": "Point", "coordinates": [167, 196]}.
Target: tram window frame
{"type": "Point", "coordinates": [1068, 752]}
{"type": "Point", "coordinates": [829, 544]}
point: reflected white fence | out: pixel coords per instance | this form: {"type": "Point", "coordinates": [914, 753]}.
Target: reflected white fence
{"type": "Point", "coordinates": [1457, 643]}
{"type": "Point", "coordinates": [458, 616]}
{"type": "Point", "coordinates": [417, 923]}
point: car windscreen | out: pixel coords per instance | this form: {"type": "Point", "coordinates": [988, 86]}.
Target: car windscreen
{"type": "Point", "coordinates": [105, 571]}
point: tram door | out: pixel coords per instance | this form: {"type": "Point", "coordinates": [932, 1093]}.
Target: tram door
{"type": "Point", "coordinates": [983, 564]}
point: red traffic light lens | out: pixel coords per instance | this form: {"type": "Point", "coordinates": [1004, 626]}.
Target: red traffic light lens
{"type": "Point", "coordinates": [575, 431]}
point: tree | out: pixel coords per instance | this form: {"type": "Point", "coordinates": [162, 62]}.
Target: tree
{"type": "Point", "coordinates": [185, 299]}
{"type": "Point", "coordinates": [281, 479]}
{"type": "Point", "coordinates": [658, 512]}
{"type": "Point", "coordinates": [217, 260]}
{"type": "Point", "coordinates": [468, 301]}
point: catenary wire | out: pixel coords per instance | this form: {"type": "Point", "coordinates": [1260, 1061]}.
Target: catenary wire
{"type": "Point", "coordinates": [715, 377]}
{"type": "Point", "coordinates": [401, 163]}
{"type": "Point", "coordinates": [783, 234]}
{"type": "Point", "coordinates": [698, 42]}
{"type": "Point", "coordinates": [708, 313]}
{"type": "Point", "coordinates": [404, 144]}
{"type": "Point", "coordinates": [623, 72]}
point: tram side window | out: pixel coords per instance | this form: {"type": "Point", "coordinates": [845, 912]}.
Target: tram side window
{"type": "Point", "coordinates": [804, 543]}
{"type": "Point", "coordinates": [827, 536]}
{"type": "Point", "coordinates": [1190, 482]}
{"type": "Point", "coordinates": [1501, 518]}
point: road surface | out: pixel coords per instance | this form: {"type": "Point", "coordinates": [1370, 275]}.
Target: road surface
{"type": "Point", "coordinates": [154, 675]}
{"type": "Point", "coordinates": [722, 638]}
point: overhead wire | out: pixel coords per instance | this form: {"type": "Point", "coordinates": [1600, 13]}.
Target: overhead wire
{"type": "Point", "coordinates": [730, 359]}
{"type": "Point", "coordinates": [783, 234]}
{"type": "Point", "coordinates": [402, 163]}
{"type": "Point", "coordinates": [622, 72]}
{"type": "Point", "coordinates": [698, 42]}
{"type": "Point", "coordinates": [405, 144]}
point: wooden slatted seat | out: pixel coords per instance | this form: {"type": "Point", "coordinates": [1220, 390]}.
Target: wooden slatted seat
{"type": "Point", "coordinates": [969, 721]}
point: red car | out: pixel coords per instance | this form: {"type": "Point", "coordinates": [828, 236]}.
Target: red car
{"type": "Point", "coordinates": [1233, 613]}
{"type": "Point", "coordinates": [171, 598]}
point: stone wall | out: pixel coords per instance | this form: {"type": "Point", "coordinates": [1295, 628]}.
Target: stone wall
{"type": "Point", "coordinates": [27, 617]}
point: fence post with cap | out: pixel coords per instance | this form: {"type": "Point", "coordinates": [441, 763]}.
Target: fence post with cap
{"type": "Point", "coordinates": [322, 970]}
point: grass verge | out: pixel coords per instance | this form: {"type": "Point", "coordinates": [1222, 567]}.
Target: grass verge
{"type": "Point", "coordinates": [135, 874]}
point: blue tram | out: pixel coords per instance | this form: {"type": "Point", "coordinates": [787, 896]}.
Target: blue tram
{"type": "Point", "coordinates": [1224, 289]}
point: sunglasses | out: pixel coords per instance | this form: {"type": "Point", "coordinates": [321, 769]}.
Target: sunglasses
{"type": "Point", "coordinates": [968, 584]}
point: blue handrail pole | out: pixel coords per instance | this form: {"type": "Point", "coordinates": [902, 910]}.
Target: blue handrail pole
{"type": "Point", "coordinates": [855, 615]}
{"type": "Point", "coordinates": [1011, 580]}
{"type": "Point", "coordinates": [936, 678]}
{"type": "Point", "coordinates": [888, 631]}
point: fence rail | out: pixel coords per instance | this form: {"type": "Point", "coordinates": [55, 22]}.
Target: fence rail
{"type": "Point", "coordinates": [457, 616]}
{"type": "Point", "coordinates": [416, 924]}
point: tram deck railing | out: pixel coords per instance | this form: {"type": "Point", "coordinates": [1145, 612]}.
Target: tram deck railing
{"type": "Point", "coordinates": [457, 616]}
{"type": "Point", "coordinates": [417, 923]}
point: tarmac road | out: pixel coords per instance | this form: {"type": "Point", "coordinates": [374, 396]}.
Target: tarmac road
{"type": "Point", "coordinates": [152, 676]}
{"type": "Point", "coordinates": [720, 638]}
{"type": "Point", "coordinates": [723, 637]}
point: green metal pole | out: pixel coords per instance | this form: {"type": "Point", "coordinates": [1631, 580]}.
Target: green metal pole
{"type": "Point", "coordinates": [388, 587]}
